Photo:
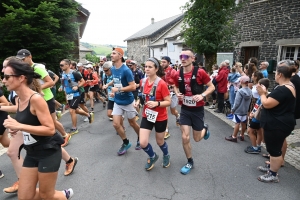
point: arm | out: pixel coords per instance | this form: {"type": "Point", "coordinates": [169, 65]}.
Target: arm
{"type": "Point", "coordinates": [129, 88]}
{"type": "Point", "coordinates": [81, 82]}
{"type": "Point", "coordinates": [48, 82]}
{"type": "Point", "coordinates": [56, 78]}
{"type": "Point", "coordinates": [95, 79]}
{"type": "Point", "coordinates": [3, 101]}
{"type": "Point", "coordinates": [267, 102]}
{"type": "Point", "coordinates": [11, 109]}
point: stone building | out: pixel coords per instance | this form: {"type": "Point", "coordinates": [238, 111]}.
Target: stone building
{"type": "Point", "coordinates": [268, 30]}
{"type": "Point", "coordinates": [138, 44]}
{"type": "Point", "coordinates": [82, 53]}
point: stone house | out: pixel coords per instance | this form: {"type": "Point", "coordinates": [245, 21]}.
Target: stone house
{"type": "Point", "coordinates": [82, 53]}
{"type": "Point", "coordinates": [268, 30]}
{"type": "Point", "coordinates": [139, 44]}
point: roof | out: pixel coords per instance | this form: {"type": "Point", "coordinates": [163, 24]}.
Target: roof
{"type": "Point", "coordinates": [82, 48]}
{"type": "Point", "coordinates": [152, 29]}
{"type": "Point", "coordinates": [82, 18]}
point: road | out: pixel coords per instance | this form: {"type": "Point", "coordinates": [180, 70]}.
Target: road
{"type": "Point", "coordinates": [222, 170]}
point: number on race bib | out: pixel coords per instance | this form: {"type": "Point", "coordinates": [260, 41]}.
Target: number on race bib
{"type": "Point", "coordinates": [70, 96]}
{"type": "Point", "coordinates": [151, 115]}
{"type": "Point", "coordinates": [188, 101]}
{"type": "Point", "coordinates": [28, 139]}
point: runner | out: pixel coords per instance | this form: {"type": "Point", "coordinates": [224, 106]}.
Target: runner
{"type": "Point", "coordinates": [169, 73]}
{"type": "Point", "coordinates": [123, 85]}
{"type": "Point", "coordinates": [189, 90]}
{"type": "Point", "coordinates": [71, 83]}
{"type": "Point", "coordinates": [46, 82]}
{"type": "Point", "coordinates": [156, 96]}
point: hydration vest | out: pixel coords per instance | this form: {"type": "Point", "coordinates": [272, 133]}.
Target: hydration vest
{"type": "Point", "coordinates": [195, 87]}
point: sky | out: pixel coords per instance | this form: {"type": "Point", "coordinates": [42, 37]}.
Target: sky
{"type": "Point", "coordinates": [112, 21]}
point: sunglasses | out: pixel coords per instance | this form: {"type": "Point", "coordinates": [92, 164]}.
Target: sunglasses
{"type": "Point", "coordinates": [185, 57]}
{"type": "Point", "coordinates": [7, 76]}
{"type": "Point", "coordinates": [106, 70]}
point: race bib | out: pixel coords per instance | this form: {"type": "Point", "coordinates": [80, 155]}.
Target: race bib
{"type": "Point", "coordinates": [70, 96]}
{"type": "Point", "coordinates": [28, 139]}
{"type": "Point", "coordinates": [188, 101]}
{"type": "Point", "coordinates": [151, 115]}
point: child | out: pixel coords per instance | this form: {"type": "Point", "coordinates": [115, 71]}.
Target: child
{"type": "Point", "coordinates": [215, 68]}
{"type": "Point", "coordinates": [240, 109]}
{"type": "Point", "coordinates": [254, 126]}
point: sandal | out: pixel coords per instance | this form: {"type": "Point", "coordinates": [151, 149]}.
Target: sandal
{"type": "Point", "coordinates": [266, 155]}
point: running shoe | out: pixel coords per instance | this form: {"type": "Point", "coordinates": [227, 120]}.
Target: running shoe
{"type": "Point", "coordinates": [110, 119]}
{"type": "Point", "coordinates": [241, 137]}
{"type": "Point", "coordinates": [73, 131]}
{"type": "Point", "coordinates": [104, 104]}
{"type": "Point", "coordinates": [86, 119]}
{"type": "Point", "coordinates": [124, 148]}
{"type": "Point", "coordinates": [212, 107]}
{"type": "Point", "coordinates": [231, 139]}
{"type": "Point", "coordinates": [138, 146]}
{"type": "Point", "coordinates": [12, 189]}
{"type": "Point", "coordinates": [178, 120]}
{"type": "Point", "coordinates": [1, 174]}
{"type": "Point", "coordinates": [186, 168]}
{"type": "Point", "coordinates": [207, 133]}
{"type": "Point", "coordinates": [69, 193]}
{"type": "Point", "coordinates": [58, 115]}
{"type": "Point", "coordinates": [167, 134]}
{"type": "Point", "coordinates": [265, 168]}
{"type": "Point", "coordinates": [268, 178]}
{"type": "Point", "coordinates": [166, 161]}
{"type": "Point", "coordinates": [251, 150]}
{"type": "Point", "coordinates": [67, 138]}
{"type": "Point", "coordinates": [91, 118]}
{"type": "Point", "coordinates": [70, 167]}
{"type": "Point", "coordinates": [150, 162]}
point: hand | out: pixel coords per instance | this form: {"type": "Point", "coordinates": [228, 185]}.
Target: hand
{"type": "Point", "coordinates": [105, 87]}
{"type": "Point", "coordinates": [114, 89]}
{"type": "Point", "coordinates": [13, 132]}
{"type": "Point", "coordinates": [152, 104]}
{"type": "Point", "coordinates": [251, 115]}
{"type": "Point", "coordinates": [180, 96]}
{"type": "Point", "coordinates": [59, 89]}
{"type": "Point", "coordinates": [261, 89]}
{"type": "Point", "coordinates": [75, 88]}
{"type": "Point", "coordinates": [111, 94]}
{"type": "Point", "coordinates": [197, 98]}
{"type": "Point", "coordinates": [11, 123]}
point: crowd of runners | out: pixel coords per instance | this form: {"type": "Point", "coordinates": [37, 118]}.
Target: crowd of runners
{"type": "Point", "coordinates": [131, 92]}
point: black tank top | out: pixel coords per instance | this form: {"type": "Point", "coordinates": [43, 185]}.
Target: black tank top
{"type": "Point", "coordinates": [26, 117]}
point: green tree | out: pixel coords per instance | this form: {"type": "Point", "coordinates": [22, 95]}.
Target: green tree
{"type": "Point", "coordinates": [209, 27]}
{"type": "Point", "coordinates": [47, 29]}
{"type": "Point", "coordinates": [92, 58]}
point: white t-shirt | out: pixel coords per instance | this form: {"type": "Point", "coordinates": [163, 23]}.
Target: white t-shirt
{"type": "Point", "coordinates": [254, 92]}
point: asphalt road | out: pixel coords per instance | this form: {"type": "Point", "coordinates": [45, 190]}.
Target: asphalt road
{"type": "Point", "coordinates": [222, 170]}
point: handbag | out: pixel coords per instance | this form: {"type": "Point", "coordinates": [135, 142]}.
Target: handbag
{"type": "Point", "coordinates": [257, 114]}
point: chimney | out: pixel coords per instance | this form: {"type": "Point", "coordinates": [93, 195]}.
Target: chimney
{"type": "Point", "coordinates": [152, 20]}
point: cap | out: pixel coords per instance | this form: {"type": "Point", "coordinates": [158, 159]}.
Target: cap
{"type": "Point", "coordinates": [120, 51]}
{"type": "Point", "coordinates": [89, 66]}
{"type": "Point", "coordinates": [23, 53]}
{"type": "Point", "coordinates": [107, 65]}
{"type": "Point", "coordinates": [127, 61]}
{"type": "Point", "coordinates": [133, 62]}
{"type": "Point", "coordinates": [79, 65]}
{"type": "Point", "coordinates": [227, 61]}
{"type": "Point", "coordinates": [167, 58]}
{"type": "Point", "coordinates": [244, 79]}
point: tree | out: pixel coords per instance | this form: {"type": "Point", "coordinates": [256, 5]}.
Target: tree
{"type": "Point", "coordinates": [209, 27]}
{"type": "Point", "coordinates": [92, 58]}
{"type": "Point", "coordinates": [47, 29]}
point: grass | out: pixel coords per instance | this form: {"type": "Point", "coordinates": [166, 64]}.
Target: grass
{"type": "Point", "coordinates": [99, 48]}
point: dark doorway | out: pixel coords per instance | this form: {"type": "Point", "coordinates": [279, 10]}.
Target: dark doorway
{"type": "Point", "coordinates": [250, 52]}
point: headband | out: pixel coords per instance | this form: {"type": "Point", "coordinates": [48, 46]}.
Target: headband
{"type": "Point", "coordinates": [153, 60]}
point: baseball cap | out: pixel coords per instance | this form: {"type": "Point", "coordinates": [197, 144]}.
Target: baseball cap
{"type": "Point", "coordinates": [89, 66]}
{"type": "Point", "coordinates": [23, 53]}
{"type": "Point", "coordinates": [244, 79]}
{"type": "Point", "coordinates": [120, 51]}
{"type": "Point", "coordinates": [133, 62]}
{"type": "Point", "coordinates": [167, 58]}
{"type": "Point", "coordinates": [107, 65]}
{"type": "Point", "coordinates": [79, 65]}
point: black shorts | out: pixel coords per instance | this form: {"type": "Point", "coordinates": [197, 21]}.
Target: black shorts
{"type": "Point", "coordinates": [86, 89]}
{"type": "Point", "coordinates": [47, 160]}
{"type": "Point", "coordinates": [110, 105]}
{"type": "Point", "coordinates": [254, 125]}
{"type": "Point", "coordinates": [135, 94]}
{"type": "Point", "coordinates": [82, 101]}
{"type": "Point", "coordinates": [3, 116]}
{"type": "Point", "coordinates": [195, 118]}
{"type": "Point", "coordinates": [74, 102]}
{"type": "Point", "coordinates": [160, 126]}
{"type": "Point", "coordinates": [95, 88]}
{"type": "Point", "coordinates": [51, 105]}
{"type": "Point", "coordinates": [274, 140]}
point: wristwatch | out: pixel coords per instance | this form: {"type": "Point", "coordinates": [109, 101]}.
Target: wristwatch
{"type": "Point", "coordinates": [119, 89]}
{"type": "Point", "coordinates": [203, 95]}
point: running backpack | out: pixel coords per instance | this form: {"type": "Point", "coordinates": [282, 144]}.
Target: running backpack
{"type": "Point", "coordinates": [195, 87]}
{"type": "Point", "coordinates": [152, 94]}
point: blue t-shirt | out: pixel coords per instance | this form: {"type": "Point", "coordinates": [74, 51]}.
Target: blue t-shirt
{"type": "Point", "coordinates": [258, 102]}
{"type": "Point", "coordinates": [123, 76]}
{"type": "Point", "coordinates": [265, 73]}
{"type": "Point", "coordinates": [108, 80]}
{"type": "Point", "coordinates": [69, 81]}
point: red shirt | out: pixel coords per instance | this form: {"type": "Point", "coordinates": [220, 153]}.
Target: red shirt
{"type": "Point", "coordinates": [169, 73]}
{"type": "Point", "coordinates": [84, 74]}
{"type": "Point", "coordinates": [94, 79]}
{"type": "Point", "coordinates": [161, 92]}
{"type": "Point", "coordinates": [202, 78]}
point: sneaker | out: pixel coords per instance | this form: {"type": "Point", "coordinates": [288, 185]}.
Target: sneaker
{"type": "Point", "coordinates": [86, 119]}
{"type": "Point", "coordinates": [207, 133]}
{"type": "Point", "coordinates": [265, 168]}
{"type": "Point", "coordinates": [231, 139]}
{"type": "Point", "coordinates": [58, 115]}
{"type": "Point", "coordinates": [241, 138]}
{"type": "Point", "coordinates": [167, 134]}
{"type": "Point", "coordinates": [110, 119]}
{"type": "Point", "coordinates": [92, 110]}
{"type": "Point", "coordinates": [69, 193]}
{"type": "Point", "coordinates": [212, 107]}
{"type": "Point", "coordinates": [12, 189]}
{"type": "Point", "coordinates": [150, 162]}
{"type": "Point", "coordinates": [73, 131]}
{"type": "Point", "coordinates": [91, 118]}
{"type": "Point", "coordinates": [124, 148]}
{"type": "Point", "coordinates": [166, 161]}
{"type": "Point", "coordinates": [138, 146]}
{"type": "Point", "coordinates": [268, 178]}
{"type": "Point", "coordinates": [178, 120]}
{"type": "Point", "coordinates": [251, 150]}
{"type": "Point", "coordinates": [1, 175]}
{"type": "Point", "coordinates": [67, 138]}
{"type": "Point", "coordinates": [186, 168]}
{"type": "Point", "coordinates": [70, 166]}
{"type": "Point", "coordinates": [206, 104]}
{"type": "Point", "coordinates": [104, 104]}
{"type": "Point", "coordinates": [259, 148]}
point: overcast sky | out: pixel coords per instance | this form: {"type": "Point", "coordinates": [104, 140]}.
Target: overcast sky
{"type": "Point", "coordinates": [113, 21]}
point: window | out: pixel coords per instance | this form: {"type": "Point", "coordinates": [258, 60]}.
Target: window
{"type": "Point", "coordinates": [144, 41]}
{"type": "Point", "coordinates": [290, 53]}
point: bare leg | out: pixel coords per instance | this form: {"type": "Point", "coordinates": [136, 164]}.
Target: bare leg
{"type": "Point", "coordinates": [186, 140]}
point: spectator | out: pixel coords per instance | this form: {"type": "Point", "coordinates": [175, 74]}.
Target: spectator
{"type": "Point", "coordinates": [221, 80]}
{"type": "Point", "coordinates": [215, 69]}
{"type": "Point", "coordinates": [263, 68]}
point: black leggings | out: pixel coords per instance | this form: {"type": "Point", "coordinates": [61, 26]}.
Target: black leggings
{"type": "Point", "coordinates": [214, 95]}
{"type": "Point", "coordinates": [220, 101]}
